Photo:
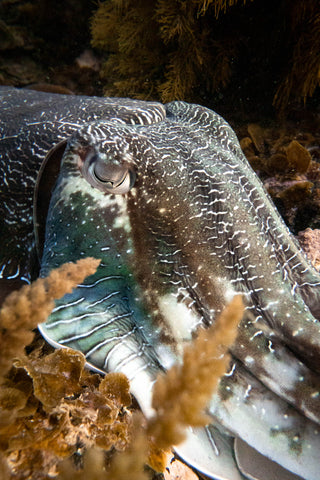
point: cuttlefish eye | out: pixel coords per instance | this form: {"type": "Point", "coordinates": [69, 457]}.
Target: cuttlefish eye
{"type": "Point", "coordinates": [108, 175]}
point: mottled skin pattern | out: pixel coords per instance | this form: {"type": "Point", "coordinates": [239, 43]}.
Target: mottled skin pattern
{"type": "Point", "coordinates": [195, 228]}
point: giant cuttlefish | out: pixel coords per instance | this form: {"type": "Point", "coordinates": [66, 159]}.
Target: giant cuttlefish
{"type": "Point", "coordinates": [164, 196]}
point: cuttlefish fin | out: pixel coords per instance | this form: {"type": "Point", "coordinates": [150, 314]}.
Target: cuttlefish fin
{"type": "Point", "coordinates": [45, 183]}
{"type": "Point", "coordinates": [15, 271]}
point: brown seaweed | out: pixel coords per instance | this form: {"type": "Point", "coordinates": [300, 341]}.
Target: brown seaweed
{"type": "Point", "coordinates": [189, 50]}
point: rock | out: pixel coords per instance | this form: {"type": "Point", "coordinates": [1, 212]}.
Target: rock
{"type": "Point", "coordinates": [257, 134]}
{"type": "Point", "coordinates": [298, 157]}
{"type": "Point", "coordinates": [247, 147]}
{"type": "Point", "coordinates": [310, 242]}
{"type": "Point", "coordinates": [297, 192]}
{"type": "Point", "coordinates": [278, 162]}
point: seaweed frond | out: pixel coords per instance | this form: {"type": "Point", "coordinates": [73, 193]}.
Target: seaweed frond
{"type": "Point", "coordinates": [50, 406]}
{"type": "Point", "coordinates": [181, 395]}
{"type": "Point", "coordinates": [190, 50]}
{"type": "Point", "coordinates": [66, 411]}
{"type": "Point", "coordinates": [93, 467]}
{"type": "Point", "coordinates": [304, 69]}
{"type": "Point", "coordinates": [129, 33]}
{"type": "Point", "coordinates": [220, 6]}
{"type": "Point", "coordinates": [53, 409]}
{"type": "Point", "coordinates": [165, 48]}
{"type": "Point", "coordinates": [24, 309]}
{"type": "Point", "coordinates": [130, 463]}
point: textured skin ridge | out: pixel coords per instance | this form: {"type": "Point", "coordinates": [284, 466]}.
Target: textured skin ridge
{"type": "Point", "coordinates": [32, 123]}
{"type": "Point", "coordinates": [196, 228]}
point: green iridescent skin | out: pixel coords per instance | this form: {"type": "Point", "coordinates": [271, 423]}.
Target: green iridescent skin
{"type": "Point", "coordinates": [196, 228]}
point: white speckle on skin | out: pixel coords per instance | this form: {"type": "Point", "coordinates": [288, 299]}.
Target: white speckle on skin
{"type": "Point", "coordinates": [288, 375]}
{"type": "Point", "coordinates": [249, 360]}
{"type": "Point", "coordinates": [297, 332]}
{"type": "Point", "coordinates": [180, 319]}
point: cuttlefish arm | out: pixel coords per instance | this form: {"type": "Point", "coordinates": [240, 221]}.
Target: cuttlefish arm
{"type": "Point", "coordinates": [105, 317]}
{"type": "Point", "coordinates": [193, 229]}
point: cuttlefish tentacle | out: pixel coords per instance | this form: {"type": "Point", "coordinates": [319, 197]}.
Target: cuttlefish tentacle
{"type": "Point", "coordinates": [269, 360]}
{"type": "Point", "coordinates": [193, 228]}
{"type": "Point", "coordinates": [250, 411]}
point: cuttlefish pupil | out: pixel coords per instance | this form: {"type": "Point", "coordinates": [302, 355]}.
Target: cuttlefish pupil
{"type": "Point", "coordinates": [164, 196]}
{"type": "Point", "coordinates": [105, 173]}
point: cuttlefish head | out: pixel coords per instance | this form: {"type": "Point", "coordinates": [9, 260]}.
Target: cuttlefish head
{"type": "Point", "coordinates": [114, 186]}
{"type": "Point", "coordinates": [159, 213]}
{"type": "Point", "coordinates": [117, 199]}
